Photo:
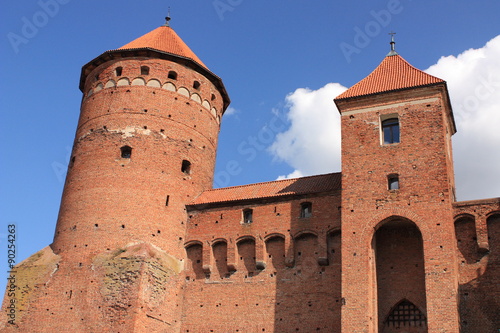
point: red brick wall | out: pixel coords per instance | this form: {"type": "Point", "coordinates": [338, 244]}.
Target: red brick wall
{"type": "Point", "coordinates": [422, 160]}
{"type": "Point", "coordinates": [123, 260]}
{"type": "Point", "coordinates": [276, 277]}
{"type": "Point", "coordinates": [477, 229]}
{"type": "Point", "coordinates": [106, 194]}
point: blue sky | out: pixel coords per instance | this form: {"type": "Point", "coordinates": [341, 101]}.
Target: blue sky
{"type": "Point", "coordinates": [282, 64]}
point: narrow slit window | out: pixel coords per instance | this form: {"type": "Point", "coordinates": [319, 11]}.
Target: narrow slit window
{"type": "Point", "coordinates": [126, 152]}
{"type": "Point", "coordinates": [118, 71]}
{"type": "Point", "coordinates": [172, 75]}
{"type": "Point", "coordinates": [186, 167]}
{"type": "Point", "coordinates": [393, 182]}
{"type": "Point", "coordinates": [196, 85]}
{"type": "Point", "coordinates": [247, 215]}
{"type": "Point", "coordinates": [390, 130]}
{"type": "Point", "coordinates": [305, 209]}
{"type": "Point", "coordinates": [144, 70]}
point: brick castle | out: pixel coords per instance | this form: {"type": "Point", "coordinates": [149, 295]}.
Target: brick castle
{"type": "Point", "coordinates": [144, 244]}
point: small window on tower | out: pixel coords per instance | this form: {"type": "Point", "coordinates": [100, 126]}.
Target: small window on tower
{"type": "Point", "coordinates": [126, 152]}
{"type": "Point", "coordinates": [144, 70]}
{"type": "Point", "coordinates": [186, 167]}
{"type": "Point", "coordinates": [305, 209]}
{"type": "Point", "coordinates": [390, 130]}
{"type": "Point", "coordinates": [118, 71]}
{"type": "Point", "coordinates": [393, 182]}
{"type": "Point", "coordinates": [172, 75]}
{"type": "Point", "coordinates": [196, 85]}
{"type": "Point", "coordinates": [247, 215]}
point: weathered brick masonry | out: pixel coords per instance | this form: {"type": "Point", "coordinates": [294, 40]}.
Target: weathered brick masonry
{"type": "Point", "coordinates": [144, 244]}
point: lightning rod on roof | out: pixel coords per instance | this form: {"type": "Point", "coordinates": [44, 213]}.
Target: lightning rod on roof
{"type": "Point", "coordinates": [167, 19]}
{"type": "Point", "coordinates": [393, 45]}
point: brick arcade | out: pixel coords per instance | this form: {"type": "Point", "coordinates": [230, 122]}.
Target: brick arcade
{"type": "Point", "coordinates": [144, 244]}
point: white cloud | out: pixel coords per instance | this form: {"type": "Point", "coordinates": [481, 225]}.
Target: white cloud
{"type": "Point", "coordinates": [311, 145]}
{"type": "Point", "coordinates": [230, 111]}
{"type": "Point", "coordinates": [473, 79]}
{"type": "Point", "coordinates": [294, 174]}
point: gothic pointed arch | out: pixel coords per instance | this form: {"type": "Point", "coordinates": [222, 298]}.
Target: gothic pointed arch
{"type": "Point", "coordinates": [405, 314]}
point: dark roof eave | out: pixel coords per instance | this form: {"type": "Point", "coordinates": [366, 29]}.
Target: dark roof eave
{"type": "Point", "coordinates": [124, 53]}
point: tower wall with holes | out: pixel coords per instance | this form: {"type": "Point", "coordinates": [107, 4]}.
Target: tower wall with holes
{"type": "Point", "coordinates": [144, 148]}
{"type": "Point", "coordinates": [167, 117]}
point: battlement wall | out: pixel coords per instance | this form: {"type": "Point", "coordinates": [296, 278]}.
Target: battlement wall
{"type": "Point", "coordinates": [280, 271]}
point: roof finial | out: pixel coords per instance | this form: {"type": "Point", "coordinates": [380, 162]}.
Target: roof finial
{"type": "Point", "coordinates": [393, 44]}
{"type": "Point", "coordinates": [167, 19]}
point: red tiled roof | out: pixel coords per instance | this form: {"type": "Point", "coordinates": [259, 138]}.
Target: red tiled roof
{"type": "Point", "coordinates": [393, 73]}
{"type": "Point", "coordinates": [163, 39]}
{"type": "Point", "coordinates": [304, 185]}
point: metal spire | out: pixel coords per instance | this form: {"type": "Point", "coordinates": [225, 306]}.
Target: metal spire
{"type": "Point", "coordinates": [167, 19]}
{"type": "Point", "coordinates": [393, 45]}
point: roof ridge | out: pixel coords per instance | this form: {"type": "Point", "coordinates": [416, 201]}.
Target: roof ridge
{"type": "Point", "coordinates": [271, 181]}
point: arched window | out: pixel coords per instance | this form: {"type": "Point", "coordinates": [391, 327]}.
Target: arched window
{"type": "Point", "coordinates": [306, 250]}
{"type": "Point", "coordinates": [465, 233]}
{"type": "Point", "coordinates": [305, 209]}
{"type": "Point", "coordinates": [126, 152]}
{"type": "Point", "coordinates": [334, 249]}
{"type": "Point", "coordinates": [390, 130]}
{"type": "Point", "coordinates": [144, 70]}
{"type": "Point", "coordinates": [195, 258]}
{"type": "Point", "coordinates": [172, 75]}
{"type": "Point", "coordinates": [246, 253]}
{"type": "Point", "coordinates": [275, 249]}
{"type": "Point", "coordinates": [219, 250]}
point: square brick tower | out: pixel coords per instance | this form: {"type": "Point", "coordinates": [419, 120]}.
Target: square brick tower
{"type": "Point", "coordinates": [398, 247]}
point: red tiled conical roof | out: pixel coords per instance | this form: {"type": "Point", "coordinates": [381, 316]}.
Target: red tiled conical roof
{"type": "Point", "coordinates": [163, 39]}
{"type": "Point", "coordinates": [393, 73]}
{"type": "Point", "coordinates": [296, 186]}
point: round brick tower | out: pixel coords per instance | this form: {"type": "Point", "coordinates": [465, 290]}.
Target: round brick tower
{"type": "Point", "coordinates": [145, 146]}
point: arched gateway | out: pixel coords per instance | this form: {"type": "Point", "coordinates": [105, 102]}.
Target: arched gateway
{"type": "Point", "coordinates": [400, 276]}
